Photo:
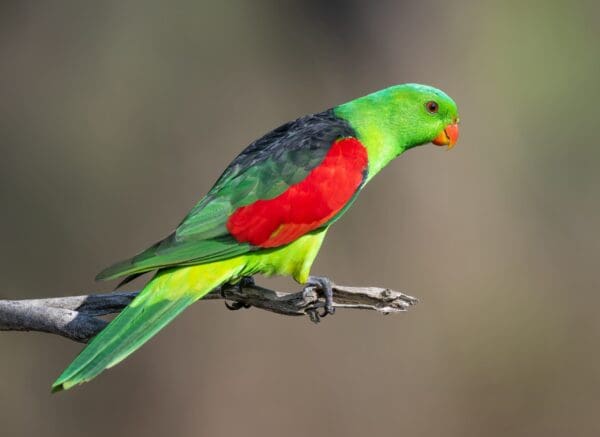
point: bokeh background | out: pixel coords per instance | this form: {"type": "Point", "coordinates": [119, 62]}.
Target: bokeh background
{"type": "Point", "coordinates": [117, 116]}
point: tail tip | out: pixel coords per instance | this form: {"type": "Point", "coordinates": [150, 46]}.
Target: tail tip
{"type": "Point", "coordinates": [58, 386]}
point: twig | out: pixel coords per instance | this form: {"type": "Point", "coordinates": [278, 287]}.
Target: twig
{"type": "Point", "coordinates": [77, 317]}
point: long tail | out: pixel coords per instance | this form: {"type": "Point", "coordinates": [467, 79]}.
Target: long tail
{"type": "Point", "coordinates": [163, 298]}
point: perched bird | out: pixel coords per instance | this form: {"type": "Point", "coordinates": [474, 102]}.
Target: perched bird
{"type": "Point", "coordinates": [269, 212]}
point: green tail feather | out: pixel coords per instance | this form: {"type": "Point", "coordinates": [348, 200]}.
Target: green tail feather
{"type": "Point", "coordinates": [163, 298]}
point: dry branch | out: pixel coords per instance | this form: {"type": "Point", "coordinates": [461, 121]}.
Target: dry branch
{"type": "Point", "coordinates": [77, 317]}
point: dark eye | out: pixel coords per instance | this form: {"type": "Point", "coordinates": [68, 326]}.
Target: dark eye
{"type": "Point", "coordinates": [432, 107]}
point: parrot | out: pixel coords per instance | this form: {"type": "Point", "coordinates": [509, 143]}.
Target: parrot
{"type": "Point", "coordinates": [269, 212]}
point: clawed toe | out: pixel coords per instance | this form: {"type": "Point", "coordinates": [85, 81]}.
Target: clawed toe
{"type": "Point", "coordinates": [325, 285]}
{"type": "Point", "coordinates": [245, 281]}
{"type": "Point", "coordinates": [234, 306]}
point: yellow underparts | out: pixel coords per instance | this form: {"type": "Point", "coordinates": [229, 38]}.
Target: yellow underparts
{"type": "Point", "coordinates": [294, 259]}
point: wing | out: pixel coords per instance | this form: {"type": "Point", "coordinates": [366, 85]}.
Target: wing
{"type": "Point", "coordinates": [293, 180]}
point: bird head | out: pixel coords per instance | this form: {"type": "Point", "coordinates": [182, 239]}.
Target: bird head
{"type": "Point", "coordinates": [404, 116]}
{"type": "Point", "coordinates": [420, 114]}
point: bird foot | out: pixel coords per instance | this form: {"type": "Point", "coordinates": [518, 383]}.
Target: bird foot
{"type": "Point", "coordinates": [244, 282]}
{"type": "Point", "coordinates": [325, 285]}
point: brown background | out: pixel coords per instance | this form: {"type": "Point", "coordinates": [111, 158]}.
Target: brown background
{"type": "Point", "coordinates": [116, 117]}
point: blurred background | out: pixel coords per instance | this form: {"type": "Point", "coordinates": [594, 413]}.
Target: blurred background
{"type": "Point", "coordinates": [117, 116]}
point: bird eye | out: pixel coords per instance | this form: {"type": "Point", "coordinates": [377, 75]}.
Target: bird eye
{"type": "Point", "coordinates": [432, 106]}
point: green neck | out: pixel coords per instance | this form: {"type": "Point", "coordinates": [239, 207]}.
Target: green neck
{"type": "Point", "coordinates": [373, 123]}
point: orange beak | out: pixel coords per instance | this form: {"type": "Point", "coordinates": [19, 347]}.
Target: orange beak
{"type": "Point", "coordinates": [447, 137]}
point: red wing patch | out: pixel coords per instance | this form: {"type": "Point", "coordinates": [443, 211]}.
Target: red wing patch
{"type": "Point", "coordinates": [306, 205]}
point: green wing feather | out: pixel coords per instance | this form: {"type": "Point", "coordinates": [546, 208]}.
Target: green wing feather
{"type": "Point", "coordinates": [265, 169]}
{"type": "Point", "coordinates": [176, 252]}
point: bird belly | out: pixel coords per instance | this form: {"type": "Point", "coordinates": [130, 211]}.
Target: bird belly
{"type": "Point", "coordinates": [294, 259]}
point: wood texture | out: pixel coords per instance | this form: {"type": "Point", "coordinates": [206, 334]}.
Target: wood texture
{"type": "Point", "coordinates": [77, 317]}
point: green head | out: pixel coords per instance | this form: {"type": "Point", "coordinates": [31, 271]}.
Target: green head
{"type": "Point", "coordinates": [400, 117]}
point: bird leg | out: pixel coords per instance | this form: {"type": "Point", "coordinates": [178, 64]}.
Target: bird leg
{"type": "Point", "coordinates": [325, 285]}
{"type": "Point", "coordinates": [245, 281]}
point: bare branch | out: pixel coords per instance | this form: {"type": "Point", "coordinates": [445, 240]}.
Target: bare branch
{"type": "Point", "coordinates": [76, 317]}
